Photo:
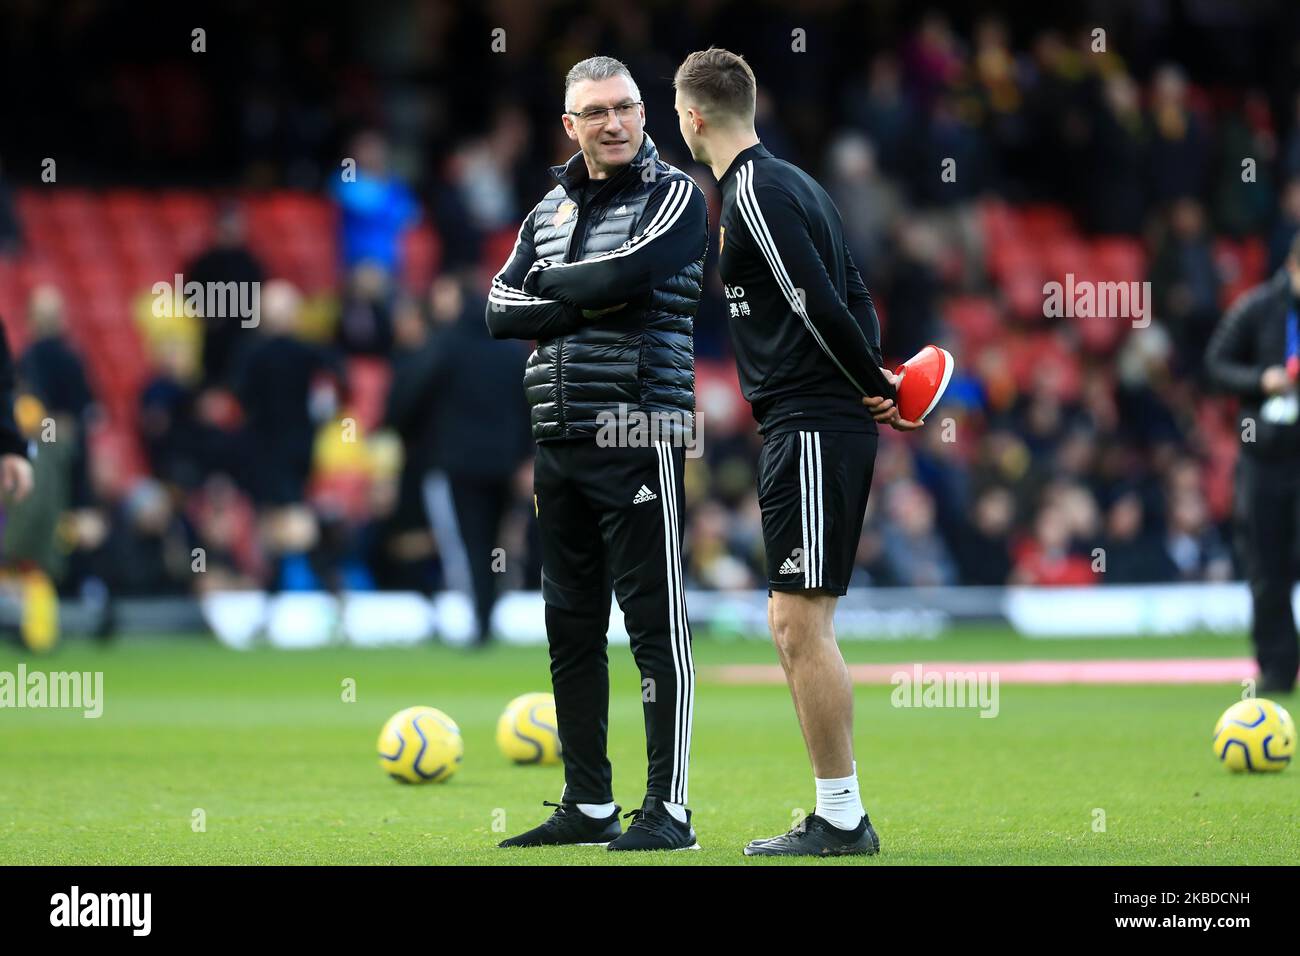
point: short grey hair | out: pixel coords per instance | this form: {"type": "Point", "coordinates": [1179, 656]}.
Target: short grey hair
{"type": "Point", "coordinates": [596, 68]}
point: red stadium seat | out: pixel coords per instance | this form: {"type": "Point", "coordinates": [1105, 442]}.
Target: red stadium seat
{"type": "Point", "coordinates": [37, 270]}
{"type": "Point", "coordinates": [74, 208]}
{"type": "Point", "coordinates": [1011, 258]}
{"type": "Point", "coordinates": [33, 206]}
{"type": "Point", "coordinates": [183, 208]}
{"type": "Point", "coordinates": [718, 399]}
{"type": "Point", "coordinates": [1023, 292]}
{"type": "Point", "coordinates": [420, 256]}
{"type": "Point", "coordinates": [1254, 260]}
{"type": "Point", "coordinates": [1101, 336]}
{"type": "Point", "coordinates": [128, 204]}
{"type": "Point", "coordinates": [1064, 255]}
{"type": "Point", "coordinates": [1119, 259]}
{"type": "Point", "coordinates": [1043, 222]}
{"type": "Point", "coordinates": [1241, 265]}
{"type": "Point", "coordinates": [497, 249]}
{"type": "Point", "coordinates": [317, 277]}
{"type": "Point", "coordinates": [1045, 356]}
{"type": "Point", "coordinates": [975, 319]}
{"type": "Point", "coordinates": [997, 223]}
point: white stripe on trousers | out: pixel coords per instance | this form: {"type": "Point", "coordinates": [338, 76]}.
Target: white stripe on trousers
{"type": "Point", "coordinates": [821, 513]}
{"type": "Point", "coordinates": [440, 509]}
{"type": "Point", "coordinates": [678, 630]}
{"type": "Point", "coordinates": [803, 509]}
{"type": "Point", "coordinates": [812, 513]}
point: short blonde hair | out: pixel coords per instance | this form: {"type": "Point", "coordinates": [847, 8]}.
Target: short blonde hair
{"type": "Point", "coordinates": [720, 81]}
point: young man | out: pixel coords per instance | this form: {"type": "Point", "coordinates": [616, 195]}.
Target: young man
{"type": "Point", "coordinates": [807, 346]}
{"type": "Point", "coordinates": [606, 275]}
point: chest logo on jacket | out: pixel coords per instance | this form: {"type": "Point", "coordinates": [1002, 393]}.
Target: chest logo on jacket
{"type": "Point", "coordinates": [564, 213]}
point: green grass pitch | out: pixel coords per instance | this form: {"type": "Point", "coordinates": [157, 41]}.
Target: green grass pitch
{"type": "Point", "coordinates": [285, 770]}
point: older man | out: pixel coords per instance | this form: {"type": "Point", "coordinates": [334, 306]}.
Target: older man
{"type": "Point", "coordinates": [606, 276]}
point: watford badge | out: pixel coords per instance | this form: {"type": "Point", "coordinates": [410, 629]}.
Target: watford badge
{"type": "Point", "coordinates": [564, 213]}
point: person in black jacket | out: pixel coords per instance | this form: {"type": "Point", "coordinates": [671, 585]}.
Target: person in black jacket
{"type": "Point", "coordinates": [606, 275]}
{"type": "Point", "coordinates": [228, 260]}
{"type": "Point", "coordinates": [467, 443]}
{"type": "Point", "coordinates": [1255, 354]}
{"type": "Point", "coordinates": [39, 622]}
{"type": "Point", "coordinates": [277, 383]}
{"type": "Point", "coordinates": [15, 469]}
{"type": "Point", "coordinates": [51, 370]}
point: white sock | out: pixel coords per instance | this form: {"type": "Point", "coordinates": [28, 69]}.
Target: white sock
{"type": "Point", "coordinates": [600, 811]}
{"type": "Point", "coordinates": [838, 800]}
{"type": "Point", "coordinates": [676, 810]}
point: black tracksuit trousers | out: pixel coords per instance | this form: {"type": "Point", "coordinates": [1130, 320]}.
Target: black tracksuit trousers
{"type": "Point", "coordinates": [610, 518]}
{"type": "Point", "coordinates": [481, 505]}
{"type": "Point", "coordinates": [1268, 512]}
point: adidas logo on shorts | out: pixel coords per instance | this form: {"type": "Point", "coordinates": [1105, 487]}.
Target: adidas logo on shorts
{"type": "Point", "coordinates": [791, 565]}
{"type": "Point", "coordinates": [644, 495]}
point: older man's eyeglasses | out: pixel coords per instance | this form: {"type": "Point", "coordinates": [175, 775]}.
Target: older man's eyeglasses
{"type": "Point", "coordinates": [596, 117]}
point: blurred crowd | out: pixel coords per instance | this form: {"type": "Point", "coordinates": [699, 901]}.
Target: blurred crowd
{"type": "Point", "coordinates": [1061, 455]}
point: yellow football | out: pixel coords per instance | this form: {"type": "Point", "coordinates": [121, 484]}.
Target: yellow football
{"type": "Point", "coordinates": [1255, 735]}
{"type": "Point", "coordinates": [420, 745]}
{"type": "Point", "coordinates": [527, 732]}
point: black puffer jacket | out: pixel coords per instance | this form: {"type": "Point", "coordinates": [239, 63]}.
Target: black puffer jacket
{"type": "Point", "coordinates": [639, 240]}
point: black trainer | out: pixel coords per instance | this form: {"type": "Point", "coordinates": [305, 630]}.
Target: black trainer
{"type": "Point", "coordinates": [816, 837]}
{"type": "Point", "coordinates": [654, 828]}
{"type": "Point", "coordinates": [569, 826]}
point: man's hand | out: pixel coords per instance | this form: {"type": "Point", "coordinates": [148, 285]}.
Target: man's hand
{"type": "Point", "coordinates": [884, 411]}
{"type": "Point", "coordinates": [903, 425]}
{"type": "Point", "coordinates": [597, 313]}
{"type": "Point", "coordinates": [15, 476]}
{"type": "Point", "coordinates": [1275, 381]}
{"type": "Point", "coordinates": [529, 285]}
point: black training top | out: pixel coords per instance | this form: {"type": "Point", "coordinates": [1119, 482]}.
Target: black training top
{"type": "Point", "coordinates": [806, 335]}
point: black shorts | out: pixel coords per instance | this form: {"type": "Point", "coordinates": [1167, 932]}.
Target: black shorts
{"type": "Point", "coordinates": [812, 489]}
